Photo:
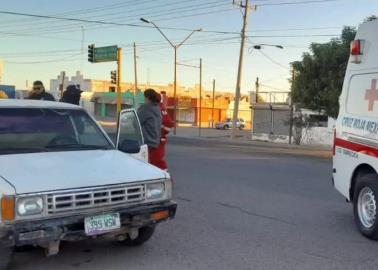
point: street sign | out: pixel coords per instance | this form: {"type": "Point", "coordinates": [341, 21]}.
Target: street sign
{"type": "Point", "coordinates": [105, 54]}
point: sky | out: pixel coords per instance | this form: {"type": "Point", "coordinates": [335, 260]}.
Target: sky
{"type": "Point", "coordinates": [39, 49]}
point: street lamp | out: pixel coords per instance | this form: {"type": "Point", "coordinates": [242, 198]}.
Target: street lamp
{"type": "Point", "coordinates": [175, 47]}
{"type": "Point", "coordinates": [259, 46]}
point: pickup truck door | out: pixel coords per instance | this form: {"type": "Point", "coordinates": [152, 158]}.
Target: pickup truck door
{"type": "Point", "coordinates": [129, 136]}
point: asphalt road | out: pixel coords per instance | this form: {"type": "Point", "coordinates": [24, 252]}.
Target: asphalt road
{"type": "Point", "coordinates": [237, 210]}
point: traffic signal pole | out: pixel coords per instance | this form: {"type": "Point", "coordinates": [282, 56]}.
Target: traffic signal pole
{"type": "Point", "coordinates": [119, 79]}
{"type": "Point", "coordinates": [109, 54]}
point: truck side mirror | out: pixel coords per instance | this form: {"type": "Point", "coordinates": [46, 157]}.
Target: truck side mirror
{"type": "Point", "coordinates": [129, 146]}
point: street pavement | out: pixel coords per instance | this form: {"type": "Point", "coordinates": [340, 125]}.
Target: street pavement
{"type": "Point", "coordinates": [240, 135]}
{"type": "Point", "coordinates": [238, 209]}
{"type": "Point", "coordinates": [188, 131]}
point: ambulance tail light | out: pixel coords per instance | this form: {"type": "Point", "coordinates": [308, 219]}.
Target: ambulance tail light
{"type": "Point", "coordinates": [356, 50]}
{"type": "Point", "coordinates": [355, 47]}
{"type": "Point", "coordinates": [334, 142]}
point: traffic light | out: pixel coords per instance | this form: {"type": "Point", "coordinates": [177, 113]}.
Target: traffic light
{"type": "Point", "coordinates": [91, 58]}
{"type": "Point", "coordinates": [113, 77]}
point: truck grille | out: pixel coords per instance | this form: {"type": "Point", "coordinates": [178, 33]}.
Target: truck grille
{"type": "Point", "coordinates": [71, 201]}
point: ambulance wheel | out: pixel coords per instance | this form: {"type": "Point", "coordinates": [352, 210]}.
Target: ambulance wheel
{"type": "Point", "coordinates": [145, 233]}
{"type": "Point", "coordinates": [6, 255]}
{"type": "Point", "coordinates": [365, 205]}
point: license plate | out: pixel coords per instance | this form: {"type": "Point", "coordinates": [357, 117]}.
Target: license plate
{"type": "Point", "coordinates": [102, 224]}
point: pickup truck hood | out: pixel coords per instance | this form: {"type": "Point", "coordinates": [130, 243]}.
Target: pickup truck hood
{"type": "Point", "coordinates": [40, 172]}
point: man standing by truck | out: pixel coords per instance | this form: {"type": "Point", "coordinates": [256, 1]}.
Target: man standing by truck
{"type": "Point", "coordinates": [39, 92]}
{"type": "Point", "coordinates": [150, 121]}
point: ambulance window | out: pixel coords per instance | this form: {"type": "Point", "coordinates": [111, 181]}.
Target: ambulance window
{"type": "Point", "coordinates": [362, 96]}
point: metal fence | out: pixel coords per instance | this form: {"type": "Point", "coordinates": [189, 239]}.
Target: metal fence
{"type": "Point", "coordinates": [271, 119]}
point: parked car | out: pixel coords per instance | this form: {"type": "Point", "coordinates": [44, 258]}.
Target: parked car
{"type": "Point", "coordinates": [355, 161]}
{"type": "Point", "coordinates": [62, 179]}
{"type": "Point", "coordinates": [227, 124]}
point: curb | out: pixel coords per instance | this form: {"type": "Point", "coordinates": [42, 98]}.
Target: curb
{"type": "Point", "coordinates": [257, 147]}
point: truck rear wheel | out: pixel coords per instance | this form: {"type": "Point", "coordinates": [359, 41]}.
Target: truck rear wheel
{"type": "Point", "coordinates": [6, 255]}
{"type": "Point", "coordinates": [144, 235]}
{"type": "Point", "coordinates": [365, 205]}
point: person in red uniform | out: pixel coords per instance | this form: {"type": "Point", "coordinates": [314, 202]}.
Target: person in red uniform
{"type": "Point", "coordinates": [166, 125]}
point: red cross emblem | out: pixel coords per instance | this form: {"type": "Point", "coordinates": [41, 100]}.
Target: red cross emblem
{"type": "Point", "coordinates": [372, 94]}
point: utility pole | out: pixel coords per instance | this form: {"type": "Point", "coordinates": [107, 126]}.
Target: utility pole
{"type": "Point", "coordinates": [200, 100]}
{"type": "Point", "coordinates": [119, 79]}
{"type": "Point", "coordinates": [82, 49]}
{"type": "Point", "coordinates": [212, 109]}
{"type": "Point", "coordinates": [174, 93]}
{"type": "Point", "coordinates": [246, 7]}
{"type": "Point", "coordinates": [135, 71]}
{"type": "Point", "coordinates": [291, 110]}
{"type": "Point", "coordinates": [61, 86]}
{"type": "Point", "coordinates": [257, 84]}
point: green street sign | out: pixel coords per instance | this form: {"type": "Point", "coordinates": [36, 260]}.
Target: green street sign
{"type": "Point", "coordinates": [105, 54]}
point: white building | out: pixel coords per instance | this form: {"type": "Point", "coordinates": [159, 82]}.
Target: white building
{"type": "Point", "coordinates": [78, 79]}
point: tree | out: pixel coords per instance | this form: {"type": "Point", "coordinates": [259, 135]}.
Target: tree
{"type": "Point", "coordinates": [371, 18]}
{"type": "Point", "coordinates": [319, 77]}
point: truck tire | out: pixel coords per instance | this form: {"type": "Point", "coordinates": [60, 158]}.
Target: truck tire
{"type": "Point", "coordinates": [145, 234]}
{"type": "Point", "coordinates": [6, 255]}
{"type": "Point", "coordinates": [365, 205]}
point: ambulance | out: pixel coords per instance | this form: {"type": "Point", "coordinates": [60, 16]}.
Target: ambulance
{"type": "Point", "coordinates": [355, 156]}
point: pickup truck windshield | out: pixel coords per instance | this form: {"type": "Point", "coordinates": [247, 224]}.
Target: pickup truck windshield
{"type": "Point", "coordinates": [39, 130]}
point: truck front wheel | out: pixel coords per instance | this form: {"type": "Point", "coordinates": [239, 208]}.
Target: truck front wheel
{"type": "Point", "coordinates": [6, 255]}
{"type": "Point", "coordinates": [365, 205]}
{"type": "Point", "coordinates": [144, 235]}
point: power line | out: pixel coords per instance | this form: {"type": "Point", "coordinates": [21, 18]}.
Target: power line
{"type": "Point", "coordinates": [146, 26]}
{"type": "Point", "coordinates": [295, 36]}
{"type": "Point", "coordinates": [296, 29]}
{"type": "Point", "coordinates": [273, 61]}
{"type": "Point", "coordinates": [47, 61]}
{"type": "Point", "coordinates": [72, 26]}
{"type": "Point", "coordinates": [101, 8]}
{"type": "Point", "coordinates": [93, 21]}
{"type": "Point", "coordinates": [38, 52]}
{"type": "Point", "coordinates": [297, 3]}
{"type": "Point", "coordinates": [272, 87]}
{"type": "Point", "coordinates": [81, 20]}
{"type": "Point", "coordinates": [181, 9]}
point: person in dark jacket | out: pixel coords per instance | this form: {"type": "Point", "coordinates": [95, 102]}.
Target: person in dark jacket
{"type": "Point", "coordinates": [150, 119]}
{"type": "Point", "coordinates": [39, 92]}
{"type": "Point", "coordinates": [71, 95]}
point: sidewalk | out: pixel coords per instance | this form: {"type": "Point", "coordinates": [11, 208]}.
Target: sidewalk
{"type": "Point", "coordinates": [210, 139]}
{"type": "Point", "coordinates": [221, 138]}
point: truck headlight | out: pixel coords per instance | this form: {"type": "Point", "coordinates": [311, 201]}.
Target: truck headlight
{"type": "Point", "coordinates": [155, 191]}
{"type": "Point", "coordinates": [29, 206]}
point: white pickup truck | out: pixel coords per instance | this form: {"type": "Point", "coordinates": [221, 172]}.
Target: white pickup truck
{"type": "Point", "coordinates": [62, 179]}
